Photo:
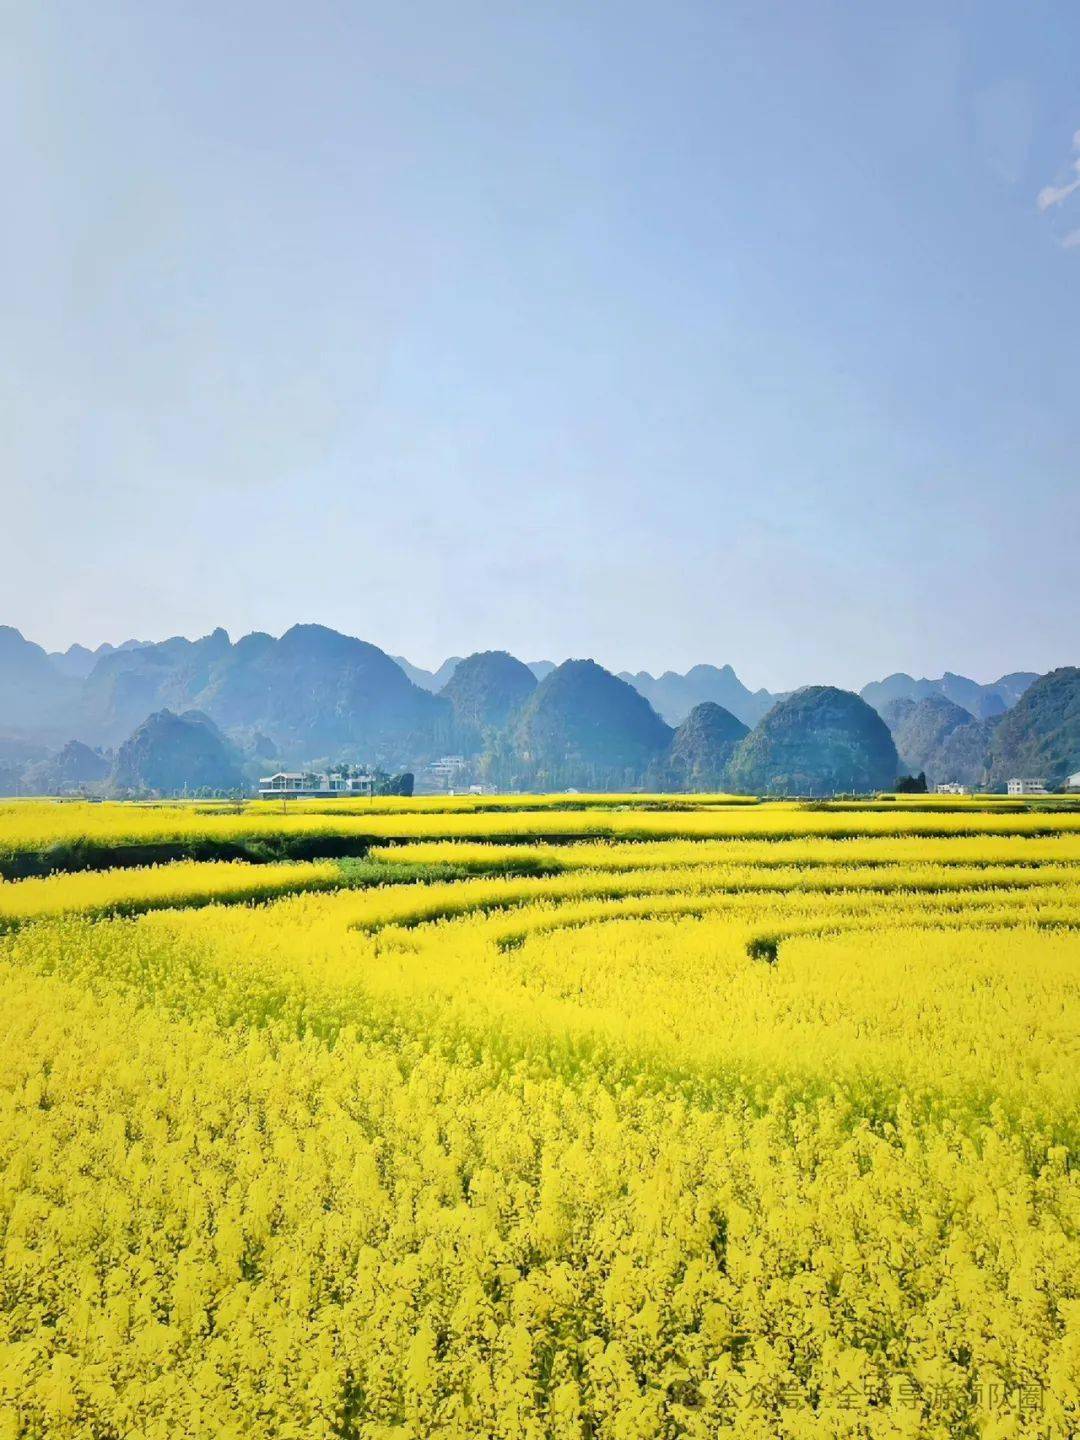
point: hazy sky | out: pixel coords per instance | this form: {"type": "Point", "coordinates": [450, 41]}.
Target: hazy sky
{"type": "Point", "coordinates": [657, 333]}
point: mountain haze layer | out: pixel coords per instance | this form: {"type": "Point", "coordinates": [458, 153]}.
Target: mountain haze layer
{"type": "Point", "coordinates": [674, 696]}
{"type": "Point", "coordinates": [313, 692]}
{"type": "Point", "coordinates": [432, 680]}
{"type": "Point", "coordinates": [982, 701]}
{"type": "Point", "coordinates": [941, 740]}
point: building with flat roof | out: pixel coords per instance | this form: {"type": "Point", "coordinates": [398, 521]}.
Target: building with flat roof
{"type": "Point", "coordinates": [311, 785]}
{"type": "Point", "coordinates": [1027, 787]}
{"type": "Point", "coordinates": [441, 774]}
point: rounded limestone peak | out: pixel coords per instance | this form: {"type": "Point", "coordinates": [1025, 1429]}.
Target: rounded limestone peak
{"type": "Point", "coordinates": [819, 741]}
{"type": "Point", "coordinates": [486, 690]}
{"type": "Point", "coordinates": [585, 727]}
{"type": "Point", "coordinates": [702, 747]}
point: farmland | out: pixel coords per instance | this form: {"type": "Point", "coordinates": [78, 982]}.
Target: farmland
{"type": "Point", "coordinates": [614, 1117]}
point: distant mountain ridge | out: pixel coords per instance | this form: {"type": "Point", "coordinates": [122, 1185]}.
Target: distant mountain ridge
{"type": "Point", "coordinates": [437, 680]}
{"type": "Point", "coordinates": [674, 696]}
{"type": "Point", "coordinates": [982, 701]}
{"type": "Point", "coordinates": [34, 695]}
{"type": "Point", "coordinates": [432, 680]}
{"type": "Point", "coordinates": [77, 661]}
{"type": "Point", "coordinates": [75, 767]}
{"type": "Point", "coordinates": [940, 739]}
{"type": "Point", "coordinates": [314, 696]}
{"type": "Point", "coordinates": [313, 693]}
{"type": "Point", "coordinates": [671, 695]}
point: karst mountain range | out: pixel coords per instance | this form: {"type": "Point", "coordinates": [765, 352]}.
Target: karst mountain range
{"type": "Point", "coordinates": [220, 711]}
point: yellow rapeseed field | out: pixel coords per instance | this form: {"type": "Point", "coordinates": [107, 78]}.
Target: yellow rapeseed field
{"type": "Point", "coordinates": [540, 1118]}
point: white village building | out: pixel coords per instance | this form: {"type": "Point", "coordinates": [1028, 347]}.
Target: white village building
{"type": "Point", "coordinates": [1027, 787]}
{"type": "Point", "coordinates": [446, 768]}
{"type": "Point", "coordinates": [306, 785]}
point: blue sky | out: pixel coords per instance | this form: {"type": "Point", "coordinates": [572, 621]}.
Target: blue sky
{"type": "Point", "coordinates": [655, 333]}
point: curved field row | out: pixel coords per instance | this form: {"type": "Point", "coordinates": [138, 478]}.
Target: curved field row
{"type": "Point", "coordinates": [457, 959]}
{"type": "Point", "coordinates": [811, 850]}
{"type": "Point", "coordinates": [184, 884]}
{"type": "Point", "coordinates": [37, 838]}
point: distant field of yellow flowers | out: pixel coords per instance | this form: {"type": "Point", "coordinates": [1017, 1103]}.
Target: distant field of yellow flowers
{"type": "Point", "coordinates": [540, 1118]}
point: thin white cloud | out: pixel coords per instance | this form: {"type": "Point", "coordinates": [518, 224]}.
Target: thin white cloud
{"type": "Point", "coordinates": [1055, 194]}
{"type": "Point", "coordinates": [1071, 241]}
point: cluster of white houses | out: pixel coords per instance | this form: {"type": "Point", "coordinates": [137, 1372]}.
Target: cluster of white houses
{"type": "Point", "coordinates": [321, 785]}
{"type": "Point", "coordinates": [1016, 786]}
{"type": "Point", "coordinates": [324, 785]}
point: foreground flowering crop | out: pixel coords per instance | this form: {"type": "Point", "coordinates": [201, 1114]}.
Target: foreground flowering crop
{"type": "Point", "coordinates": [751, 1121]}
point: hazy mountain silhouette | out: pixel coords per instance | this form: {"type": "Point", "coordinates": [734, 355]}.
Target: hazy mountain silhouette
{"type": "Point", "coordinates": [169, 753]}
{"type": "Point", "coordinates": [673, 695]}
{"type": "Point", "coordinates": [432, 680]}
{"type": "Point", "coordinates": [982, 701]}
{"type": "Point", "coordinates": [940, 739]}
